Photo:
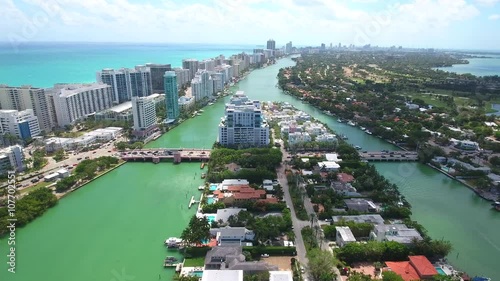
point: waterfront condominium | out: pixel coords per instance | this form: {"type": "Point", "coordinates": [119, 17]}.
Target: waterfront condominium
{"type": "Point", "coordinates": [157, 72]}
{"type": "Point", "coordinates": [22, 124]}
{"type": "Point", "coordinates": [202, 85]}
{"type": "Point", "coordinates": [27, 97]}
{"type": "Point", "coordinates": [69, 103]}
{"type": "Point", "coordinates": [127, 83]}
{"type": "Point", "coordinates": [144, 114]}
{"type": "Point", "coordinates": [271, 44]}
{"type": "Point", "coordinates": [11, 158]}
{"type": "Point", "coordinates": [171, 95]}
{"type": "Point", "coordinates": [182, 76]}
{"type": "Point", "coordinates": [243, 124]}
{"type": "Point", "coordinates": [192, 65]}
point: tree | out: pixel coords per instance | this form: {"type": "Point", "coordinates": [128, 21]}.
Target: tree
{"type": "Point", "coordinates": [59, 155]}
{"type": "Point", "coordinates": [356, 276]}
{"type": "Point", "coordinates": [321, 265]}
{"type": "Point", "coordinates": [197, 230]}
{"type": "Point", "coordinates": [391, 276]}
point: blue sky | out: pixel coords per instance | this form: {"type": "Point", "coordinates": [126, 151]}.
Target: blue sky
{"type": "Point", "coordinates": [470, 24]}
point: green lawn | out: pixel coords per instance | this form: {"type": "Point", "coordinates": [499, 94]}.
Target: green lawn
{"type": "Point", "coordinates": [194, 262]}
{"type": "Point", "coordinates": [35, 187]}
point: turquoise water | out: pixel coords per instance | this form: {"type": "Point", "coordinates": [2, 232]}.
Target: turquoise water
{"type": "Point", "coordinates": [478, 67]}
{"type": "Point", "coordinates": [43, 64]}
{"type": "Point", "coordinates": [211, 219]}
{"type": "Point", "coordinates": [210, 200]}
{"type": "Point", "coordinates": [440, 271]}
{"type": "Point", "coordinates": [197, 273]}
{"type": "Point", "coordinates": [213, 187]}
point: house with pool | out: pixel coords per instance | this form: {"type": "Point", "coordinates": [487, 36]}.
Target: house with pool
{"type": "Point", "coordinates": [232, 235]}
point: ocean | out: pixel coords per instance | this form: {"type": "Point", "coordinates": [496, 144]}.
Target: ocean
{"type": "Point", "coordinates": [44, 64]}
{"type": "Point", "coordinates": [478, 66]}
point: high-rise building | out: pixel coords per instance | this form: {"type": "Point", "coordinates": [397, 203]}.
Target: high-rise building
{"type": "Point", "coordinates": [27, 97]}
{"type": "Point", "coordinates": [182, 76]}
{"type": "Point", "coordinates": [288, 48]}
{"type": "Point", "coordinates": [11, 158]}
{"type": "Point", "coordinates": [127, 83]}
{"type": "Point", "coordinates": [192, 65]}
{"type": "Point", "coordinates": [144, 113]}
{"type": "Point", "coordinates": [22, 124]}
{"type": "Point", "coordinates": [323, 46]}
{"type": "Point", "coordinates": [202, 85]}
{"type": "Point", "coordinates": [271, 44]}
{"type": "Point", "coordinates": [243, 124]}
{"type": "Point", "coordinates": [171, 95]}
{"type": "Point", "coordinates": [157, 72]}
{"type": "Point", "coordinates": [69, 103]}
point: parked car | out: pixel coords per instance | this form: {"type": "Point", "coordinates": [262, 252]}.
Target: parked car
{"type": "Point", "coordinates": [264, 255]}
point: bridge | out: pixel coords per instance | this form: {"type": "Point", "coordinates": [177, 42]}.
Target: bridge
{"type": "Point", "coordinates": [389, 155]}
{"type": "Point", "coordinates": [156, 155]}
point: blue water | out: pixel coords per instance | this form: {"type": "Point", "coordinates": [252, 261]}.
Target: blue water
{"type": "Point", "coordinates": [43, 64]}
{"type": "Point", "coordinates": [440, 271]}
{"type": "Point", "coordinates": [213, 187]}
{"type": "Point", "coordinates": [210, 200]}
{"type": "Point", "coordinates": [478, 67]}
{"type": "Point", "coordinates": [197, 273]}
{"type": "Point", "coordinates": [210, 219]}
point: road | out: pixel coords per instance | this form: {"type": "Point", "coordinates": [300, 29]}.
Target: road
{"type": "Point", "coordinates": [299, 224]}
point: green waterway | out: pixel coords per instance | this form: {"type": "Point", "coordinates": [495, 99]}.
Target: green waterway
{"type": "Point", "coordinates": [118, 223]}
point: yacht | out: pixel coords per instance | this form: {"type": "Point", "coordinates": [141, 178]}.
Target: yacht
{"type": "Point", "coordinates": [339, 120]}
{"type": "Point", "coordinates": [496, 205]}
{"type": "Point", "coordinates": [362, 128]}
{"type": "Point", "coordinates": [350, 123]}
{"type": "Point", "coordinates": [173, 242]}
{"type": "Point", "coordinates": [368, 132]}
{"type": "Point", "coordinates": [358, 147]}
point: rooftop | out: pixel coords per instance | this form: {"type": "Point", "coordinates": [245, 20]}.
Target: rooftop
{"type": "Point", "coordinates": [404, 269]}
{"type": "Point", "coordinates": [280, 276]}
{"type": "Point", "coordinates": [216, 275]}
{"type": "Point", "coordinates": [373, 219]}
{"type": "Point", "coordinates": [423, 266]}
{"type": "Point", "coordinates": [346, 233]}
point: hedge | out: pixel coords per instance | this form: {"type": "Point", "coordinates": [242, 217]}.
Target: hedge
{"type": "Point", "coordinates": [271, 251]}
{"type": "Point", "coordinates": [193, 252]}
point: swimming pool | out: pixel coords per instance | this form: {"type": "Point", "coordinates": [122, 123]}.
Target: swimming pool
{"type": "Point", "coordinates": [210, 200]}
{"type": "Point", "coordinates": [213, 187]}
{"type": "Point", "coordinates": [197, 273]}
{"type": "Point", "coordinates": [211, 218]}
{"type": "Point", "coordinates": [440, 270]}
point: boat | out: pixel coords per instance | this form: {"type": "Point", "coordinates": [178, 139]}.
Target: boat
{"type": "Point", "coordinates": [203, 175]}
{"type": "Point", "coordinates": [202, 165]}
{"type": "Point", "coordinates": [362, 128]}
{"type": "Point", "coordinates": [479, 278]}
{"type": "Point", "coordinates": [173, 242]}
{"type": "Point", "coordinates": [210, 103]}
{"type": "Point", "coordinates": [344, 137]}
{"type": "Point", "coordinates": [368, 132]}
{"type": "Point", "coordinates": [358, 147]}
{"type": "Point", "coordinates": [201, 187]}
{"type": "Point", "coordinates": [339, 120]}
{"type": "Point", "coordinates": [496, 205]}
{"type": "Point", "coordinates": [350, 123]}
{"type": "Point", "coordinates": [170, 259]}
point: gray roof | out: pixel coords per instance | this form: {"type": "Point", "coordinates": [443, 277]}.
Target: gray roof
{"type": "Point", "coordinates": [224, 214]}
{"type": "Point", "coordinates": [229, 231]}
{"type": "Point", "coordinates": [253, 266]}
{"type": "Point", "coordinates": [402, 233]}
{"type": "Point", "coordinates": [373, 219]}
{"type": "Point", "coordinates": [224, 254]}
{"type": "Point", "coordinates": [359, 204]}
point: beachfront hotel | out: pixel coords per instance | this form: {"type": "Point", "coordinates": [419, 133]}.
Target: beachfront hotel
{"type": "Point", "coordinates": [27, 97]}
{"type": "Point", "coordinates": [144, 112]}
{"type": "Point", "coordinates": [127, 83]}
{"type": "Point", "coordinates": [22, 124]}
{"type": "Point", "coordinates": [171, 95]}
{"type": "Point", "coordinates": [69, 103]}
{"type": "Point", "coordinates": [243, 124]}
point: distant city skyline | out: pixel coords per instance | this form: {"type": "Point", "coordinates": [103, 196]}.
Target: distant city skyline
{"type": "Point", "coordinates": [457, 24]}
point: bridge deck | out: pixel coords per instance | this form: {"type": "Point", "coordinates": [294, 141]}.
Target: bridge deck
{"type": "Point", "coordinates": [389, 155]}
{"type": "Point", "coordinates": [157, 154]}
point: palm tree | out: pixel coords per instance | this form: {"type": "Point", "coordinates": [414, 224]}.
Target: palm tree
{"type": "Point", "coordinates": [313, 218]}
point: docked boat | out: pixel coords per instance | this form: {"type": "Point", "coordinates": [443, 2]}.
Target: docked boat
{"type": "Point", "coordinates": [201, 187]}
{"type": "Point", "coordinates": [203, 175]}
{"type": "Point", "coordinates": [358, 147]}
{"type": "Point", "coordinates": [339, 120]}
{"type": "Point", "coordinates": [344, 137]}
{"type": "Point", "coordinates": [173, 242]}
{"type": "Point", "coordinates": [368, 132]}
{"type": "Point", "coordinates": [210, 103]}
{"type": "Point", "coordinates": [350, 123]}
{"type": "Point", "coordinates": [496, 205]}
{"type": "Point", "coordinates": [362, 128]}
{"type": "Point", "coordinates": [170, 259]}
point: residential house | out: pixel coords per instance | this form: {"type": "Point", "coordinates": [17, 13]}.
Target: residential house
{"type": "Point", "coordinates": [332, 157]}
{"type": "Point", "coordinates": [231, 258]}
{"type": "Point", "coordinates": [329, 166]}
{"type": "Point", "coordinates": [417, 268]}
{"type": "Point", "coordinates": [224, 214]}
{"type": "Point", "coordinates": [279, 276]}
{"type": "Point", "coordinates": [373, 219]}
{"type": "Point", "coordinates": [361, 205]}
{"type": "Point", "coordinates": [239, 194]}
{"type": "Point", "coordinates": [232, 235]}
{"type": "Point", "coordinates": [344, 236]}
{"type": "Point", "coordinates": [395, 232]}
{"type": "Point", "coordinates": [268, 185]}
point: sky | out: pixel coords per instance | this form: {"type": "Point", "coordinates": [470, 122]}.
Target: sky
{"type": "Point", "coordinates": [459, 24]}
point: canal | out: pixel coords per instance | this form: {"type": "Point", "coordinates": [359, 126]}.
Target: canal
{"type": "Point", "coordinates": [113, 228]}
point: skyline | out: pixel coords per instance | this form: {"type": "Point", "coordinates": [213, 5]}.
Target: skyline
{"type": "Point", "coordinates": [444, 24]}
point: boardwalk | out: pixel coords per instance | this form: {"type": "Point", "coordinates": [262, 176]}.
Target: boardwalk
{"type": "Point", "coordinates": [158, 154]}
{"type": "Point", "coordinates": [389, 155]}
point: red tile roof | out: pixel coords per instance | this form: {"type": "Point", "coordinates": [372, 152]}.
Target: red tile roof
{"type": "Point", "coordinates": [423, 266]}
{"type": "Point", "coordinates": [403, 269]}
{"type": "Point", "coordinates": [345, 178]}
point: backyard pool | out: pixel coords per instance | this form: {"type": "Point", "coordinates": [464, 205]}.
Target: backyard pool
{"type": "Point", "coordinates": [197, 273]}
{"type": "Point", "coordinates": [440, 270]}
{"type": "Point", "coordinates": [211, 218]}
{"type": "Point", "coordinates": [210, 200]}
{"type": "Point", "coordinates": [213, 187]}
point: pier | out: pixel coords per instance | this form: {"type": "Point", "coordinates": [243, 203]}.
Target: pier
{"type": "Point", "coordinates": [389, 156]}
{"type": "Point", "coordinates": [156, 155]}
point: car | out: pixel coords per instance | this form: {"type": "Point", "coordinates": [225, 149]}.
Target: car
{"type": "Point", "coordinates": [34, 180]}
{"type": "Point", "coordinates": [109, 151]}
{"type": "Point", "coordinates": [74, 165]}
{"type": "Point", "coordinates": [94, 152]}
{"type": "Point", "coordinates": [264, 255]}
{"type": "Point", "coordinates": [302, 269]}
{"type": "Point", "coordinates": [78, 159]}
{"type": "Point", "coordinates": [383, 156]}
{"type": "Point", "coordinates": [87, 157]}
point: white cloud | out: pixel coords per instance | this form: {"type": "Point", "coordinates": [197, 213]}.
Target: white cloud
{"type": "Point", "coordinates": [487, 2]}
{"type": "Point", "coordinates": [494, 17]}
{"type": "Point", "coordinates": [247, 21]}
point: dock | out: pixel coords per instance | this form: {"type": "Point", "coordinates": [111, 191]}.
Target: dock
{"type": "Point", "coordinates": [191, 202]}
{"type": "Point", "coordinates": [202, 165]}
{"type": "Point", "coordinates": [389, 156]}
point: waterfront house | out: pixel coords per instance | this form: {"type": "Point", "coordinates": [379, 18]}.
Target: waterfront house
{"type": "Point", "coordinates": [395, 232]}
{"type": "Point", "coordinates": [329, 166]}
{"type": "Point", "coordinates": [231, 258]}
{"type": "Point", "coordinates": [224, 214]}
{"type": "Point", "coordinates": [216, 275]}
{"type": "Point", "coordinates": [344, 236]}
{"type": "Point", "coordinates": [417, 268]}
{"type": "Point", "coordinates": [232, 235]}
{"type": "Point", "coordinates": [373, 219]}
{"type": "Point", "coordinates": [240, 194]}
{"type": "Point", "coordinates": [361, 205]}
{"type": "Point", "coordinates": [280, 276]}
